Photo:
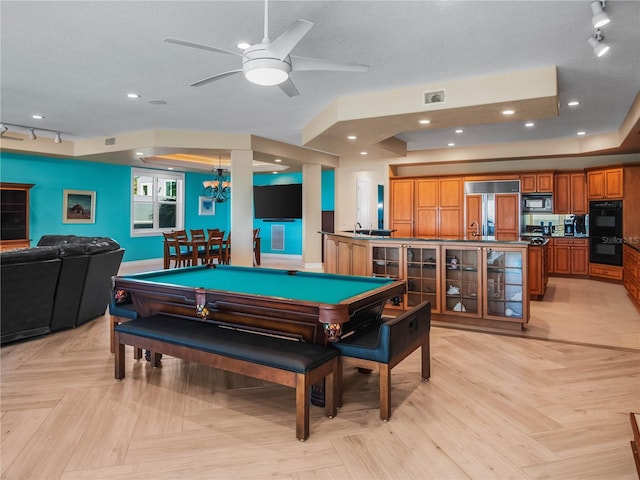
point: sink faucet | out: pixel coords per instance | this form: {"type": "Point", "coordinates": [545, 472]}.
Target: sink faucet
{"type": "Point", "coordinates": [355, 227]}
{"type": "Point", "coordinates": [477, 232]}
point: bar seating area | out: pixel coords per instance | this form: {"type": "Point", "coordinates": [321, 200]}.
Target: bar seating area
{"type": "Point", "coordinates": [182, 249]}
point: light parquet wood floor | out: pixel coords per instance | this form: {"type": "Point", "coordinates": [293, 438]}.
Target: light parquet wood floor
{"type": "Point", "coordinates": [496, 407]}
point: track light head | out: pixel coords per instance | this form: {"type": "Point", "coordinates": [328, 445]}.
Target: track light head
{"type": "Point", "coordinates": [599, 48]}
{"type": "Point", "coordinates": [57, 139]}
{"type": "Point", "coordinates": [599, 18]}
{"type": "Point", "coordinates": [32, 135]}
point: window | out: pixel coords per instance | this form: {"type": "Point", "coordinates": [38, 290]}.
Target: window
{"type": "Point", "coordinates": [157, 202]}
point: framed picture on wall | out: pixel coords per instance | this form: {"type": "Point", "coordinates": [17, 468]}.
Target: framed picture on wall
{"type": "Point", "coordinates": [78, 206]}
{"type": "Point", "coordinates": [206, 206]}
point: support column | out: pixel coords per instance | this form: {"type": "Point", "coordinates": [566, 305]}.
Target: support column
{"type": "Point", "coordinates": [242, 207]}
{"type": "Point", "coordinates": [312, 216]}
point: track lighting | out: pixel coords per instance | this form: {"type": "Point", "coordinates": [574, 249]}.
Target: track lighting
{"type": "Point", "coordinates": [599, 18]}
{"type": "Point", "coordinates": [32, 132]}
{"type": "Point", "coordinates": [599, 48]}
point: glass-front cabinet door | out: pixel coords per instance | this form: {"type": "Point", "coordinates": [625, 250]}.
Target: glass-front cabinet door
{"type": "Point", "coordinates": [461, 278]}
{"type": "Point", "coordinates": [387, 262]}
{"type": "Point", "coordinates": [422, 276]}
{"type": "Point", "coordinates": [505, 284]}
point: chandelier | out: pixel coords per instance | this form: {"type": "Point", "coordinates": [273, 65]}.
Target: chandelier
{"type": "Point", "coordinates": [218, 189]}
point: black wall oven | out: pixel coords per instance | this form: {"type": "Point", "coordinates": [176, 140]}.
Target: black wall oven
{"type": "Point", "coordinates": [605, 232]}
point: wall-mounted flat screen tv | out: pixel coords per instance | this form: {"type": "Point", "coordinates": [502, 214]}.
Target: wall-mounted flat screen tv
{"type": "Point", "coordinates": [277, 201]}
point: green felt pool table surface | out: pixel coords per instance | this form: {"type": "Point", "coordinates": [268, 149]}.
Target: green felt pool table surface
{"type": "Point", "coordinates": [293, 285]}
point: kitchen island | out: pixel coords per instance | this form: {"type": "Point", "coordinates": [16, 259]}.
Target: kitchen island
{"type": "Point", "coordinates": [479, 282]}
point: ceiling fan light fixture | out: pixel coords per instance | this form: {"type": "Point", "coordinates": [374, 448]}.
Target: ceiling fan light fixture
{"type": "Point", "coordinates": [266, 71]}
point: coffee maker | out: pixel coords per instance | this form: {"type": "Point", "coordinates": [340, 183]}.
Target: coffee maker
{"type": "Point", "coordinates": [569, 231]}
{"type": "Point", "coordinates": [580, 225]}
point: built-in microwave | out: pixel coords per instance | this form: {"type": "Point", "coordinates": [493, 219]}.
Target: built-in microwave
{"type": "Point", "coordinates": [537, 203]}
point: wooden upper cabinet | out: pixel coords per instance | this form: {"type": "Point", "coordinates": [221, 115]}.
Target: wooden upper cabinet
{"type": "Point", "coordinates": [402, 207]}
{"type": "Point", "coordinates": [570, 193]}
{"type": "Point", "coordinates": [605, 184]}
{"type": "Point", "coordinates": [439, 208]}
{"type": "Point", "coordinates": [536, 182]}
{"type": "Point", "coordinates": [450, 192]}
{"type": "Point", "coordinates": [507, 215]}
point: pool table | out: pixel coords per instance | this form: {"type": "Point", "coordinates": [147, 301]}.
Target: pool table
{"type": "Point", "coordinates": [316, 307]}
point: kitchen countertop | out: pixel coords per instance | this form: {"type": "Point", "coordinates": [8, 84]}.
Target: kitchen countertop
{"type": "Point", "coordinates": [420, 239]}
{"type": "Point", "coordinates": [555, 235]}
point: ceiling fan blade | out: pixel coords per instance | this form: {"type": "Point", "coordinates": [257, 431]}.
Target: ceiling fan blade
{"type": "Point", "coordinates": [201, 46]}
{"type": "Point", "coordinates": [289, 88]}
{"type": "Point", "coordinates": [299, 64]}
{"type": "Point", "coordinates": [282, 46]}
{"type": "Point", "coordinates": [214, 78]}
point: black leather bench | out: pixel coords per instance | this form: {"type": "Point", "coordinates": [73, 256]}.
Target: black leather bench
{"type": "Point", "coordinates": [274, 359]}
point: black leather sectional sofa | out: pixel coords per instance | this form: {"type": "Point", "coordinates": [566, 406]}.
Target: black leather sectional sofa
{"type": "Point", "coordinates": [63, 282]}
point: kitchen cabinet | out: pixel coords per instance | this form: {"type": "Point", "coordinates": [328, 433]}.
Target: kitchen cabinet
{"type": "Point", "coordinates": [346, 256]}
{"type": "Point", "coordinates": [14, 215]}
{"type": "Point", "coordinates": [422, 274]}
{"type": "Point", "coordinates": [438, 207]}
{"type": "Point", "coordinates": [571, 256]}
{"type": "Point", "coordinates": [631, 274]}
{"type": "Point", "coordinates": [570, 193]}
{"type": "Point", "coordinates": [538, 266]}
{"type": "Point", "coordinates": [605, 184]}
{"type": "Point", "coordinates": [536, 182]}
{"type": "Point", "coordinates": [401, 196]}
{"type": "Point", "coordinates": [507, 216]}
{"type": "Point", "coordinates": [469, 282]}
{"type": "Point", "coordinates": [505, 283]}
{"type": "Point", "coordinates": [461, 289]}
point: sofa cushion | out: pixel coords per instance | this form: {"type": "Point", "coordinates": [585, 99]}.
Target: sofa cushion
{"type": "Point", "coordinates": [28, 255]}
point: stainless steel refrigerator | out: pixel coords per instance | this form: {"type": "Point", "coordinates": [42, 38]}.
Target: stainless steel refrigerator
{"type": "Point", "coordinates": [482, 200]}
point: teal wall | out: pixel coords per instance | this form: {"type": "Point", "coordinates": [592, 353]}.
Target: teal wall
{"type": "Point", "coordinates": [113, 198]}
{"type": "Point", "coordinates": [112, 186]}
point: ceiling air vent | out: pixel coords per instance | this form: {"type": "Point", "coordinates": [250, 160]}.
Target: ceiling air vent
{"type": "Point", "coordinates": [437, 96]}
{"type": "Point", "coordinates": [109, 141]}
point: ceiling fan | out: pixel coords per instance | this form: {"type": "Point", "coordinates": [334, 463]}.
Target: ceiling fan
{"type": "Point", "coordinates": [269, 63]}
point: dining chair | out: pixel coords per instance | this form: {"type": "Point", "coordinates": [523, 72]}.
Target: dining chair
{"type": "Point", "coordinates": [256, 246]}
{"type": "Point", "coordinates": [199, 242]}
{"type": "Point", "coordinates": [226, 250]}
{"type": "Point", "coordinates": [215, 249]}
{"type": "Point", "coordinates": [176, 251]}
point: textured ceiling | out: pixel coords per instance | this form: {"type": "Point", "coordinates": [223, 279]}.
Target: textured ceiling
{"type": "Point", "coordinates": [75, 61]}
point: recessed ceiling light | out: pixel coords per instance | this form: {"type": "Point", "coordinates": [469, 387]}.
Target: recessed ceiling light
{"type": "Point", "coordinates": [275, 173]}
{"type": "Point", "coordinates": [529, 124]}
{"type": "Point", "coordinates": [133, 95]}
{"type": "Point", "coordinates": [508, 112]}
{"type": "Point", "coordinates": [243, 45]}
{"type": "Point", "coordinates": [581, 133]}
{"type": "Point", "coordinates": [451, 144]}
{"type": "Point", "coordinates": [139, 154]}
{"type": "Point", "coordinates": [278, 160]}
{"type": "Point", "coordinates": [351, 137]}
{"type": "Point", "coordinates": [37, 116]}
{"type": "Point", "coordinates": [573, 103]}
{"type": "Point", "coordinates": [169, 168]}
{"type": "Point", "coordinates": [459, 130]}
{"type": "Point", "coordinates": [424, 122]}
{"type": "Point", "coordinates": [363, 153]}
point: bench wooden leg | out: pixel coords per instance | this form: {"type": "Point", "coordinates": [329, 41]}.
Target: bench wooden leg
{"type": "Point", "coordinates": [426, 359]}
{"type": "Point", "coordinates": [118, 360]}
{"type": "Point", "coordinates": [303, 398]}
{"type": "Point", "coordinates": [155, 359]}
{"type": "Point", "coordinates": [340, 386]}
{"type": "Point", "coordinates": [385, 391]}
{"type": "Point", "coordinates": [331, 390]}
